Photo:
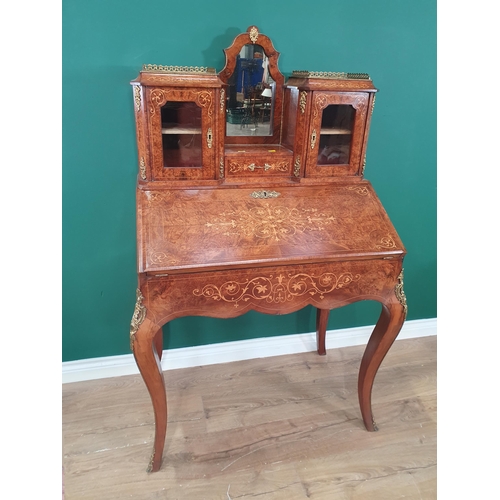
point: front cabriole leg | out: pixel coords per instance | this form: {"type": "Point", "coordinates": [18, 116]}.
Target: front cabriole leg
{"type": "Point", "coordinates": [386, 330]}
{"type": "Point", "coordinates": [144, 341]}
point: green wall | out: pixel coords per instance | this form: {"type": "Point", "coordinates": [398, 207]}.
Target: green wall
{"type": "Point", "coordinates": [105, 44]}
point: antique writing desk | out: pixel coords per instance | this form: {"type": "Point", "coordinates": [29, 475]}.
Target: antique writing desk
{"type": "Point", "coordinates": [251, 195]}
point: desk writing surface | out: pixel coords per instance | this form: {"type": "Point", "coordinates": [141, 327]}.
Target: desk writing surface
{"type": "Point", "coordinates": [206, 229]}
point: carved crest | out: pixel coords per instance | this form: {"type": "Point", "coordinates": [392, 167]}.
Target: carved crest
{"type": "Point", "coordinates": [253, 34]}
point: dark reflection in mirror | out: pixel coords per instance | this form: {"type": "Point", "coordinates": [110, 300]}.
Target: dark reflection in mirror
{"type": "Point", "coordinates": [251, 91]}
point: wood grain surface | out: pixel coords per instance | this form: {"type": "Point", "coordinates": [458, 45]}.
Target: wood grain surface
{"type": "Point", "coordinates": [287, 427]}
{"type": "Point", "coordinates": [198, 228]}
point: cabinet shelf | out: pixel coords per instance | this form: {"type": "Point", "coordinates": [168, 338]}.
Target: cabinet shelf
{"type": "Point", "coordinates": [175, 129]}
{"type": "Point", "coordinates": [335, 131]}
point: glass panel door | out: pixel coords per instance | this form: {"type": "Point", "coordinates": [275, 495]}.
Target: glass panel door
{"type": "Point", "coordinates": [335, 135]}
{"type": "Point", "coordinates": [181, 134]}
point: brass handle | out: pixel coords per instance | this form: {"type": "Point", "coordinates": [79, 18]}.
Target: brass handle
{"type": "Point", "coordinates": [209, 138]}
{"type": "Point", "coordinates": [252, 167]}
{"type": "Point", "coordinates": [313, 139]}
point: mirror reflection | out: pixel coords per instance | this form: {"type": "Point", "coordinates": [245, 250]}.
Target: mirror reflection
{"type": "Point", "coordinates": [250, 99]}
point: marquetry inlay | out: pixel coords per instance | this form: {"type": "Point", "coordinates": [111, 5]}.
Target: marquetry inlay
{"type": "Point", "coordinates": [270, 222]}
{"type": "Point", "coordinates": [237, 166]}
{"type": "Point", "coordinates": [361, 190]}
{"type": "Point", "coordinates": [386, 242]}
{"type": "Point", "coordinates": [276, 289]}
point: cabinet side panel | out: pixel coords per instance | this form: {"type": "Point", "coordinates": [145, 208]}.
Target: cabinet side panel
{"type": "Point", "coordinates": [290, 116]}
{"type": "Point", "coordinates": [371, 105]}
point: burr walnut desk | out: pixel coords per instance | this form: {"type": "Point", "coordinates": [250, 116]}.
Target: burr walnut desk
{"type": "Point", "coordinates": [242, 210]}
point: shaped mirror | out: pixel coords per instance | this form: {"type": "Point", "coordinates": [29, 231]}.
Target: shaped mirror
{"type": "Point", "coordinates": [254, 92]}
{"type": "Point", "coordinates": [250, 94]}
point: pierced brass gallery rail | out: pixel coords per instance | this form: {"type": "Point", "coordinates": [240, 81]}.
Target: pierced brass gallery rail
{"type": "Point", "coordinates": [158, 68]}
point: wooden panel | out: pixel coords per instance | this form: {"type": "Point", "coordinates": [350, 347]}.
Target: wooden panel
{"type": "Point", "coordinates": [197, 229]}
{"type": "Point", "coordinates": [261, 166]}
{"type": "Point", "coordinates": [278, 289]}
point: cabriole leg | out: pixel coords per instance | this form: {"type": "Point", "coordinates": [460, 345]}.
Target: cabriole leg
{"type": "Point", "coordinates": [149, 364]}
{"type": "Point", "coordinates": [144, 341]}
{"type": "Point", "coordinates": [384, 334]}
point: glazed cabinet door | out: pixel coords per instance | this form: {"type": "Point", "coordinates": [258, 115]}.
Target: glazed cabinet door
{"type": "Point", "coordinates": [336, 133]}
{"type": "Point", "coordinates": [182, 132]}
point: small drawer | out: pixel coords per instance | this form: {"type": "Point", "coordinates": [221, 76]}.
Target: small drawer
{"type": "Point", "coordinates": [258, 166]}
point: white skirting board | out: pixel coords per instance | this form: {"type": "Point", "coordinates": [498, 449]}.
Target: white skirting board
{"type": "Point", "coordinates": [185, 357]}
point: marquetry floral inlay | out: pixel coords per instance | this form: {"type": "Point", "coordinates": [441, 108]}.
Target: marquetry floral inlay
{"type": "Point", "coordinates": [236, 166]}
{"type": "Point", "coordinates": [361, 190]}
{"type": "Point", "coordinates": [386, 242]}
{"type": "Point", "coordinates": [159, 97]}
{"type": "Point", "coordinates": [276, 289]}
{"type": "Point", "coordinates": [274, 222]}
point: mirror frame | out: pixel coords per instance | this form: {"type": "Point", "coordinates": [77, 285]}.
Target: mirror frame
{"type": "Point", "coordinates": [252, 36]}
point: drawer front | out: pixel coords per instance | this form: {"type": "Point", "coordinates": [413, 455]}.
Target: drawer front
{"type": "Point", "coordinates": [258, 166]}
